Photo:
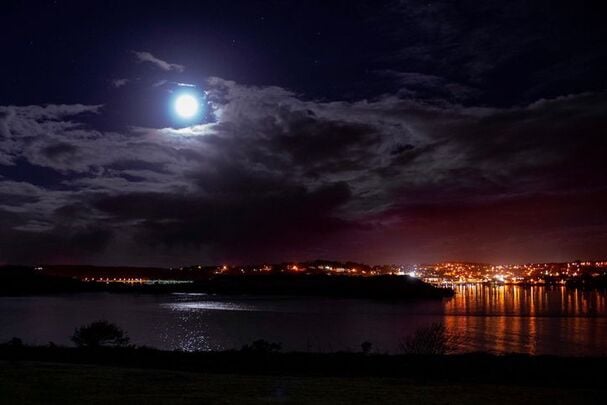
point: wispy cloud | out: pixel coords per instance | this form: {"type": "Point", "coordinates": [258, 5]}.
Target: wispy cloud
{"type": "Point", "coordinates": [143, 56]}
{"type": "Point", "coordinates": [117, 83]}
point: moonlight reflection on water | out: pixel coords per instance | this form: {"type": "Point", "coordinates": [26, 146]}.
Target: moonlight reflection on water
{"type": "Point", "coordinates": [536, 320]}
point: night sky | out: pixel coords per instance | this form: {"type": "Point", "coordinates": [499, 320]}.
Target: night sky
{"type": "Point", "coordinates": [382, 132]}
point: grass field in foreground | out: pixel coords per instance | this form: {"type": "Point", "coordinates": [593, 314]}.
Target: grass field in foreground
{"type": "Point", "coordinates": [49, 383]}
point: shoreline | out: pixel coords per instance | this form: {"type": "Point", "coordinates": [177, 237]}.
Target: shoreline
{"type": "Point", "coordinates": [479, 367]}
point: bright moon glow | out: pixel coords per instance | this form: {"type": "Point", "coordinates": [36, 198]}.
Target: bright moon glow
{"type": "Point", "coordinates": [186, 106]}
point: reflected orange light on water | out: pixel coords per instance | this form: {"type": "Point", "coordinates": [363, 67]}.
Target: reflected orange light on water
{"type": "Point", "coordinates": [520, 319]}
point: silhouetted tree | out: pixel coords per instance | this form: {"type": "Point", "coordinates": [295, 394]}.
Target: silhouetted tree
{"type": "Point", "coordinates": [15, 342]}
{"type": "Point", "coordinates": [428, 340]}
{"type": "Point", "coordinates": [366, 347]}
{"type": "Point", "coordinates": [99, 333]}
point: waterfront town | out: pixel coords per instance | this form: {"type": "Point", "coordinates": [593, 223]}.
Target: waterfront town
{"type": "Point", "coordinates": [439, 274]}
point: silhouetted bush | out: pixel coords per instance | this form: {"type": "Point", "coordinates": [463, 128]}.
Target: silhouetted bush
{"type": "Point", "coordinates": [429, 340]}
{"type": "Point", "coordinates": [262, 346]}
{"type": "Point", "coordinates": [99, 333]}
{"type": "Point", "coordinates": [15, 342]}
{"type": "Point", "coordinates": [366, 346]}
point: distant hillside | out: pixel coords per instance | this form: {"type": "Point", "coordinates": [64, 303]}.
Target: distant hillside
{"type": "Point", "coordinates": [19, 280]}
{"type": "Point", "coordinates": [376, 287]}
{"type": "Point", "coordinates": [15, 280]}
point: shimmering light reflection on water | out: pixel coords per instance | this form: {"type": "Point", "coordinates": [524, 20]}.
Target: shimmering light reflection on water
{"type": "Point", "coordinates": [537, 320]}
{"type": "Point", "coordinates": [212, 305]}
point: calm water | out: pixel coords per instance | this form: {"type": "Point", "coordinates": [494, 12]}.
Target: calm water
{"type": "Point", "coordinates": [534, 320]}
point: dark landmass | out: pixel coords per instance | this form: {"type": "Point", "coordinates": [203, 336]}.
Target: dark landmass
{"type": "Point", "coordinates": [377, 287]}
{"type": "Point", "coordinates": [157, 273]}
{"type": "Point", "coordinates": [588, 282]}
{"type": "Point", "coordinates": [203, 272]}
{"type": "Point", "coordinates": [137, 375]}
{"type": "Point", "coordinates": [23, 281]}
{"type": "Point", "coordinates": [20, 280]}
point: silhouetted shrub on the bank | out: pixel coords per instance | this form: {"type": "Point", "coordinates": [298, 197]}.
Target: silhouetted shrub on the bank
{"type": "Point", "coordinates": [99, 333]}
{"type": "Point", "coordinates": [15, 342]}
{"type": "Point", "coordinates": [430, 340]}
{"type": "Point", "coordinates": [366, 346]}
{"type": "Point", "coordinates": [262, 346]}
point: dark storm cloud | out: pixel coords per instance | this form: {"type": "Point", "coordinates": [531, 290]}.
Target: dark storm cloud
{"type": "Point", "coordinates": [456, 154]}
{"type": "Point", "coordinates": [22, 128]}
{"type": "Point", "coordinates": [277, 171]}
{"type": "Point", "coordinates": [383, 131]}
{"type": "Point", "coordinates": [59, 150]}
{"type": "Point", "coordinates": [504, 52]}
{"type": "Point", "coordinates": [430, 88]}
{"type": "Point", "coordinates": [68, 245]}
{"type": "Point", "coordinates": [234, 224]}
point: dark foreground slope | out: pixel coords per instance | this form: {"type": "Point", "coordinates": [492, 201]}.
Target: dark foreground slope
{"type": "Point", "coordinates": [464, 368]}
{"type": "Point", "coordinates": [60, 375]}
{"type": "Point", "coordinates": [52, 383]}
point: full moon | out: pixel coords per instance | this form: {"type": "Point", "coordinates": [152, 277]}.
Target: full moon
{"type": "Point", "coordinates": [186, 106]}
